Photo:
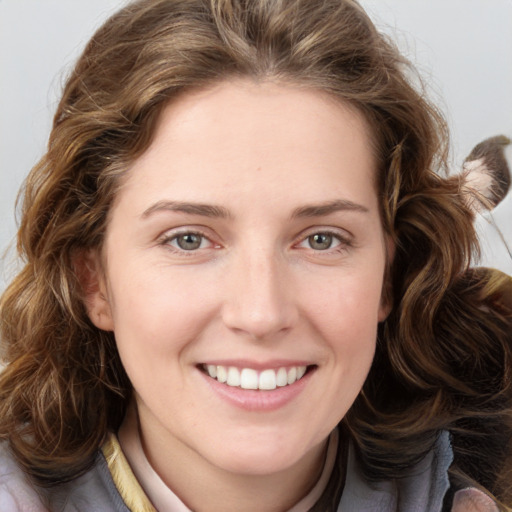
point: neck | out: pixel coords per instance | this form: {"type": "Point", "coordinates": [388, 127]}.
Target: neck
{"type": "Point", "coordinates": [204, 486]}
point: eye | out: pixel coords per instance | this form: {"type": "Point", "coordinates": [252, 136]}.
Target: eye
{"type": "Point", "coordinates": [322, 241]}
{"type": "Point", "coordinates": [188, 241]}
{"type": "Point", "coordinates": [325, 242]}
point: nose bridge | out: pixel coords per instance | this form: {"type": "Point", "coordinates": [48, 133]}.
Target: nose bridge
{"type": "Point", "coordinates": [259, 301]}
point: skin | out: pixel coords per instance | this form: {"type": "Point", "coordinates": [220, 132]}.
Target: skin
{"type": "Point", "coordinates": [257, 290]}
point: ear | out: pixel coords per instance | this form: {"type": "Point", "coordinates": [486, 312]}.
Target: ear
{"type": "Point", "coordinates": [386, 300]}
{"type": "Point", "coordinates": [89, 270]}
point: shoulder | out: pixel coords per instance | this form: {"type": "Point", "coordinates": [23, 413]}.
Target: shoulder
{"type": "Point", "coordinates": [94, 491]}
{"type": "Point", "coordinates": [429, 483]}
{"type": "Point", "coordinates": [16, 492]}
{"type": "Point", "coordinates": [422, 490]}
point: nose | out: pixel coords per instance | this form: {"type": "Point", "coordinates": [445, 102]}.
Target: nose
{"type": "Point", "coordinates": [259, 302]}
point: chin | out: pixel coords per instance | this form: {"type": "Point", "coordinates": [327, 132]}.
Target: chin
{"type": "Point", "coordinates": [260, 458]}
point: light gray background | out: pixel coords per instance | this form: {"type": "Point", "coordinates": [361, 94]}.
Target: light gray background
{"type": "Point", "coordinates": [462, 47]}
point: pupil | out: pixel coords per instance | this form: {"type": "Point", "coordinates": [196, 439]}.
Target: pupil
{"type": "Point", "coordinates": [320, 241]}
{"type": "Point", "coordinates": [189, 241]}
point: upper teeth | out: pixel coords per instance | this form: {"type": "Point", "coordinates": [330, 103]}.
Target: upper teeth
{"type": "Point", "coordinates": [247, 378]}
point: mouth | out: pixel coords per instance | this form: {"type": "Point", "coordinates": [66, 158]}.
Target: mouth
{"type": "Point", "coordinates": [251, 379]}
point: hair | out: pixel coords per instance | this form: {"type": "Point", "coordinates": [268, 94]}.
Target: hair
{"type": "Point", "coordinates": [444, 355]}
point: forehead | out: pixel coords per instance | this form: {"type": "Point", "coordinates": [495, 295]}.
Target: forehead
{"type": "Point", "coordinates": [225, 107]}
{"type": "Point", "coordinates": [254, 134]}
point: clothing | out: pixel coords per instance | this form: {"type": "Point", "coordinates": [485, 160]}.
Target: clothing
{"type": "Point", "coordinates": [110, 486]}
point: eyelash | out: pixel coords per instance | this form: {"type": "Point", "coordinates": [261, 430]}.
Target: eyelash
{"type": "Point", "coordinates": [343, 242]}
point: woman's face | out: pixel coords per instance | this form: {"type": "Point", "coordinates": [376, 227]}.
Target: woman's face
{"type": "Point", "coordinates": [246, 245]}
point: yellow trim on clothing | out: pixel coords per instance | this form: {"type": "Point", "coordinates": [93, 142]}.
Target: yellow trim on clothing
{"type": "Point", "coordinates": [124, 479]}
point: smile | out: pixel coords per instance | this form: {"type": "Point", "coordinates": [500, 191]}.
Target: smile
{"type": "Point", "coordinates": [248, 378]}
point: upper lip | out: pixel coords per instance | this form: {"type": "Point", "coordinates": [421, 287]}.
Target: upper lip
{"type": "Point", "coordinates": [258, 365]}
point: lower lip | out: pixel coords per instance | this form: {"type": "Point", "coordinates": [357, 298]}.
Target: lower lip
{"type": "Point", "coordinates": [258, 400]}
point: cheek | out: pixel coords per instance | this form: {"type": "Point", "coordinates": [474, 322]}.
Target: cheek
{"type": "Point", "coordinates": [155, 319]}
{"type": "Point", "coordinates": [347, 308]}
{"type": "Point", "coordinates": [346, 315]}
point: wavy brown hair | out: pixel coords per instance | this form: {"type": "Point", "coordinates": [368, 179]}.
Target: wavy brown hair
{"type": "Point", "coordinates": [443, 358]}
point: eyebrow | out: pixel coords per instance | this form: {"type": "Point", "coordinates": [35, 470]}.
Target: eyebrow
{"type": "Point", "coordinates": [208, 210]}
{"type": "Point", "coordinates": [319, 210]}
{"type": "Point", "coordinates": [205, 210]}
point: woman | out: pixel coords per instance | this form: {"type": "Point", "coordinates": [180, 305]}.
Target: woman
{"type": "Point", "coordinates": [245, 286]}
